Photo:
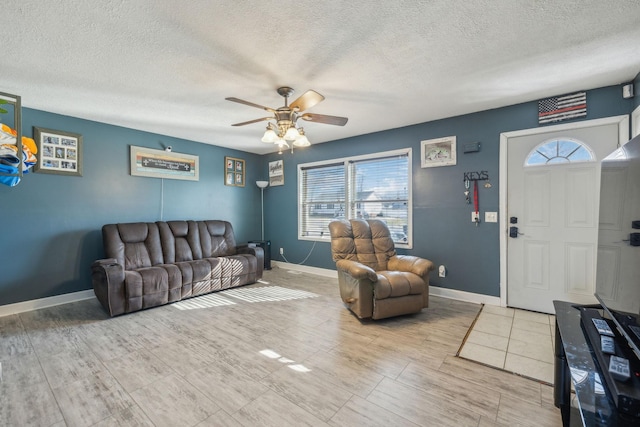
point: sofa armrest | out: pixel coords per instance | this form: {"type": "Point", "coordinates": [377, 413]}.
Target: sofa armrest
{"type": "Point", "coordinates": [413, 264]}
{"type": "Point", "coordinates": [107, 277]}
{"type": "Point", "coordinates": [357, 270]}
{"type": "Point", "coordinates": [254, 250]}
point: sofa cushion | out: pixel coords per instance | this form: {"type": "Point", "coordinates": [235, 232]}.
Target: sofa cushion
{"type": "Point", "coordinates": [146, 287]}
{"type": "Point", "coordinates": [180, 241]}
{"type": "Point", "coordinates": [197, 277]}
{"type": "Point", "coordinates": [174, 280]}
{"type": "Point", "coordinates": [216, 239]}
{"type": "Point", "coordinates": [133, 245]}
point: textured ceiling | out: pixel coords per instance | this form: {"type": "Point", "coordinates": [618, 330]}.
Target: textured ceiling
{"type": "Point", "coordinates": [165, 66]}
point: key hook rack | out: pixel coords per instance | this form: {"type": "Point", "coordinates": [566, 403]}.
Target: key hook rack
{"type": "Point", "coordinates": [476, 176]}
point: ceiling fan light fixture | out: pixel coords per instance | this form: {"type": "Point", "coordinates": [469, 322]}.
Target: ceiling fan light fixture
{"type": "Point", "coordinates": [301, 140]}
{"type": "Point", "coordinates": [284, 129]}
{"type": "Point", "coordinates": [270, 136]}
{"type": "Point", "coordinates": [291, 134]}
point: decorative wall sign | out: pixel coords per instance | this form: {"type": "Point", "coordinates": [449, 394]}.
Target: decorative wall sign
{"type": "Point", "coordinates": [164, 164]}
{"type": "Point", "coordinates": [560, 108]}
{"type": "Point", "coordinates": [276, 173]}
{"type": "Point", "coordinates": [438, 152]}
{"type": "Point", "coordinates": [476, 176]}
{"type": "Point", "coordinates": [58, 152]}
{"type": "Point", "coordinates": [234, 172]}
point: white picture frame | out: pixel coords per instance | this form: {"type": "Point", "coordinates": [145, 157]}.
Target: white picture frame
{"type": "Point", "coordinates": [152, 163]}
{"type": "Point", "coordinates": [276, 173]}
{"type": "Point", "coordinates": [438, 152]}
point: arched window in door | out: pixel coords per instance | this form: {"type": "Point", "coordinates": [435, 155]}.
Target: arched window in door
{"type": "Point", "coordinates": [560, 151]}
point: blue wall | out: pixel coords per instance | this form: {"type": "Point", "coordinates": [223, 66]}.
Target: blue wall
{"type": "Point", "coordinates": [443, 231]}
{"type": "Point", "coordinates": [51, 223]}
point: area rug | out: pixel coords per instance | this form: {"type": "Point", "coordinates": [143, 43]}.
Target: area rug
{"type": "Point", "coordinates": [246, 294]}
{"type": "Point", "coordinates": [513, 340]}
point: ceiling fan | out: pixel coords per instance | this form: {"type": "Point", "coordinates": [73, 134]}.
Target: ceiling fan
{"type": "Point", "coordinates": [285, 117]}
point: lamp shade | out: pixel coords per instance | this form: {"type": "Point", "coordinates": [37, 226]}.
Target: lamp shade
{"type": "Point", "coordinates": [302, 141]}
{"type": "Point", "coordinates": [262, 184]}
{"type": "Point", "coordinates": [269, 136]}
{"type": "Point", "coordinates": [291, 134]}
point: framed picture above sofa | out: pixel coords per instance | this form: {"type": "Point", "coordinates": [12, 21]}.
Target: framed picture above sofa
{"type": "Point", "coordinates": [164, 164]}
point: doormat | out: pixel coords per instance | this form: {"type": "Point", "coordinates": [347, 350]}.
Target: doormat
{"type": "Point", "coordinates": [512, 340]}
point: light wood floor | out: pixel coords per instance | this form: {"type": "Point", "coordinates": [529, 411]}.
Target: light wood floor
{"type": "Point", "coordinates": [285, 363]}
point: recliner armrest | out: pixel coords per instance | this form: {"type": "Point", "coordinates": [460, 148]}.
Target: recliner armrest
{"type": "Point", "coordinates": [357, 270]}
{"type": "Point", "coordinates": [104, 262]}
{"type": "Point", "coordinates": [412, 264]}
{"type": "Point", "coordinates": [108, 278]}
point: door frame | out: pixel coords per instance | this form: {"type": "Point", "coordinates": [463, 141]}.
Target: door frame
{"type": "Point", "coordinates": [623, 136]}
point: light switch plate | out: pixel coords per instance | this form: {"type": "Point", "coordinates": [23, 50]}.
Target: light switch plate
{"type": "Point", "coordinates": [491, 217]}
{"type": "Point", "coordinates": [474, 215]}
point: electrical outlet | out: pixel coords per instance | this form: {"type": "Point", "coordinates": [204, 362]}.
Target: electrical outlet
{"type": "Point", "coordinates": [442, 271]}
{"type": "Point", "coordinates": [281, 251]}
{"type": "Point", "coordinates": [475, 216]}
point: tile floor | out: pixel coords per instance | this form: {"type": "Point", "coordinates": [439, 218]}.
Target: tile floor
{"type": "Point", "coordinates": [515, 340]}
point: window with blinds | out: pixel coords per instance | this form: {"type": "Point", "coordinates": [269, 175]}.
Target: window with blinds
{"type": "Point", "coordinates": [372, 186]}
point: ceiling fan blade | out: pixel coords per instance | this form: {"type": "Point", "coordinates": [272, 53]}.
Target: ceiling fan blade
{"type": "Point", "coordinates": [322, 118]}
{"type": "Point", "coordinates": [307, 100]}
{"type": "Point", "coordinates": [250, 104]}
{"type": "Point", "coordinates": [252, 121]}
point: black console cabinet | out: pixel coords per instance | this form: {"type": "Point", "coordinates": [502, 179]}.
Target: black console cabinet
{"type": "Point", "coordinates": [266, 247]}
{"type": "Point", "coordinates": [575, 363]}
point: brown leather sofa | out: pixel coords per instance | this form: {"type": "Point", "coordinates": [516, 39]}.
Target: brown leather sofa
{"type": "Point", "coordinates": [151, 264]}
{"type": "Point", "coordinates": [374, 281]}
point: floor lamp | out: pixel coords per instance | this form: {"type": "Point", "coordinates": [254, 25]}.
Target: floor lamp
{"type": "Point", "coordinates": [262, 185]}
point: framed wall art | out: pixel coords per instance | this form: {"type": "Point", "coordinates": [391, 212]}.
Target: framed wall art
{"type": "Point", "coordinates": [234, 172]}
{"type": "Point", "coordinates": [276, 173]}
{"type": "Point", "coordinates": [58, 152]}
{"type": "Point", "coordinates": [438, 152]}
{"type": "Point", "coordinates": [164, 164]}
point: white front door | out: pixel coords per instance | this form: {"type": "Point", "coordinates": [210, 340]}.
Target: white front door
{"type": "Point", "coordinates": [553, 191]}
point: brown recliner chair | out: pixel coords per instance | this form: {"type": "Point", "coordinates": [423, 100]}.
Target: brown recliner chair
{"type": "Point", "coordinates": [374, 281]}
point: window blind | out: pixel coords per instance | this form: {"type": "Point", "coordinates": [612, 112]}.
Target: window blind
{"type": "Point", "coordinates": [372, 186]}
{"type": "Point", "coordinates": [322, 198]}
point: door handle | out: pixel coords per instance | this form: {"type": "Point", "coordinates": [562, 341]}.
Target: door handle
{"type": "Point", "coordinates": [514, 232]}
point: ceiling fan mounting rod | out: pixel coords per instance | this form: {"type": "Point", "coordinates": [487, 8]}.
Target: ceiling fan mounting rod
{"type": "Point", "coordinates": [286, 92]}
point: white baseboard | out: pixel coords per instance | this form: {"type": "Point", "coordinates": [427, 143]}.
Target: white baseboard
{"type": "Point", "coordinates": [433, 290]}
{"type": "Point", "coordinates": [306, 269]}
{"type": "Point", "coordinates": [463, 296]}
{"type": "Point", "coordinates": [21, 307]}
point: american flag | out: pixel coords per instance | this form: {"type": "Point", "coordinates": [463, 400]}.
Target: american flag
{"type": "Point", "coordinates": [562, 107]}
